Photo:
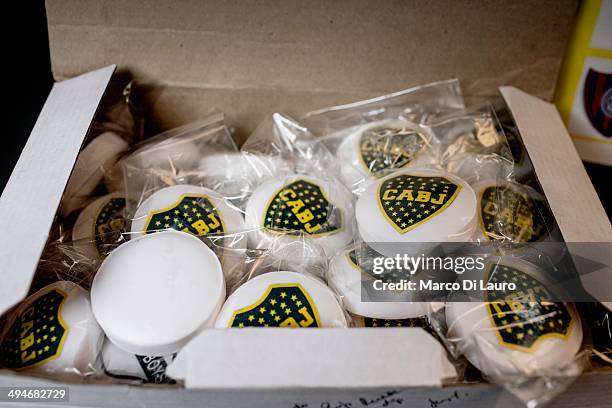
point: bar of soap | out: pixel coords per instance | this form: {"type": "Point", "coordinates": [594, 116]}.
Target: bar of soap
{"type": "Point", "coordinates": [424, 206]}
{"type": "Point", "coordinates": [99, 226]}
{"type": "Point", "coordinates": [282, 299]}
{"type": "Point", "coordinates": [346, 271]}
{"type": "Point", "coordinates": [198, 211]}
{"type": "Point", "coordinates": [382, 146]}
{"type": "Point", "coordinates": [505, 337]}
{"type": "Point", "coordinates": [154, 293]}
{"type": "Point", "coordinates": [121, 364]}
{"type": "Point", "coordinates": [297, 207]}
{"type": "Point", "coordinates": [513, 212]}
{"type": "Point", "coordinates": [97, 158]}
{"type": "Point", "coordinates": [53, 330]}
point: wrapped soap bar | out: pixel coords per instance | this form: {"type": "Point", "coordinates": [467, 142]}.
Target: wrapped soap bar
{"type": "Point", "coordinates": [52, 331]}
{"type": "Point", "coordinates": [154, 293]}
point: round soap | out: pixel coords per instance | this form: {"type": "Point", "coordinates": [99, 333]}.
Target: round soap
{"type": "Point", "coordinates": [282, 299]}
{"type": "Point", "coordinates": [154, 293]}
{"type": "Point", "coordinates": [299, 206]}
{"type": "Point", "coordinates": [345, 277]}
{"type": "Point", "coordinates": [53, 330]}
{"type": "Point", "coordinates": [503, 337]}
{"type": "Point", "coordinates": [373, 148]}
{"type": "Point", "coordinates": [418, 206]}
{"type": "Point", "coordinates": [235, 175]}
{"type": "Point", "coordinates": [198, 211]}
{"type": "Point", "coordinates": [93, 162]}
{"type": "Point", "coordinates": [99, 226]}
{"type": "Point", "coordinates": [149, 369]}
{"type": "Point", "coordinates": [513, 212]}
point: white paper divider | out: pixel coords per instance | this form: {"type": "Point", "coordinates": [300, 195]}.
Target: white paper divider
{"type": "Point", "coordinates": [326, 358]}
{"type": "Point", "coordinates": [31, 196]}
{"type": "Point", "coordinates": [565, 182]}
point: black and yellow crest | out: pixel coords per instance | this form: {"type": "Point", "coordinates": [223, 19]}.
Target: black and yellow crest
{"type": "Point", "coordinates": [408, 200]}
{"type": "Point", "coordinates": [108, 224]}
{"type": "Point", "coordinates": [194, 214]}
{"type": "Point", "coordinates": [526, 315]}
{"type": "Point", "coordinates": [511, 214]}
{"type": "Point", "coordinates": [37, 334]}
{"type": "Point", "coordinates": [302, 206]}
{"type": "Point", "coordinates": [283, 305]}
{"type": "Point", "coordinates": [389, 147]}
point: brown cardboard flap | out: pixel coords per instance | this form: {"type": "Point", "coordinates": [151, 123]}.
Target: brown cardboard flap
{"type": "Point", "coordinates": [347, 46]}
{"type": "Point", "coordinates": [565, 182]}
{"type": "Point", "coordinates": [33, 192]}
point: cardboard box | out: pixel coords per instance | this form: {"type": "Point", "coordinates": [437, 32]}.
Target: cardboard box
{"type": "Point", "coordinates": [251, 59]}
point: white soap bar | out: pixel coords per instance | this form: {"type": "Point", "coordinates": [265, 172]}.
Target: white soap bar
{"type": "Point", "coordinates": [53, 330]}
{"type": "Point", "coordinates": [289, 209]}
{"type": "Point", "coordinates": [198, 211]}
{"type": "Point", "coordinates": [97, 158]}
{"type": "Point", "coordinates": [154, 293]}
{"type": "Point", "coordinates": [121, 364]}
{"type": "Point", "coordinates": [504, 337]}
{"type": "Point", "coordinates": [282, 299]}
{"type": "Point", "coordinates": [380, 146]}
{"type": "Point", "coordinates": [416, 206]}
{"type": "Point", "coordinates": [99, 226]}
{"type": "Point", "coordinates": [513, 212]}
{"type": "Point", "coordinates": [345, 276]}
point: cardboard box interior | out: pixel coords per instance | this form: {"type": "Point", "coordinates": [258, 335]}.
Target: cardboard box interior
{"type": "Point", "coordinates": [253, 59]}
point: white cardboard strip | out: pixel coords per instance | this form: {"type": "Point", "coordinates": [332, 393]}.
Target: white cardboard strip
{"type": "Point", "coordinates": [31, 196]}
{"type": "Point", "coordinates": [326, 358]}
{"type": "Point", "coordinates": [565, 182]}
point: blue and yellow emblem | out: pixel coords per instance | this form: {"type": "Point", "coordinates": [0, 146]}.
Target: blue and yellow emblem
{"type": "Point", "coordinates": [409, 200]}
{"type": "Point", "coordinates": [302, 206]}
{"type": "Point", "coordinates": [526, 315]}
{"type": "Point", "coordinates": [37, 334]}
{"type": "Point", "coordinates": [108, 225]}
{"type": "Point", "coordinates": [283, 305]}
{"type": "Point", "coordinates": [194, 214]}
{"type": "Point", "coordinates": [388, 147]}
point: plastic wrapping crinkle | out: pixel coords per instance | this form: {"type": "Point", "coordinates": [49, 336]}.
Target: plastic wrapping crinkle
{"type": "Point", "coordinates": [374, 137]}
{"type": "Point", "coordinates": [115, 129]}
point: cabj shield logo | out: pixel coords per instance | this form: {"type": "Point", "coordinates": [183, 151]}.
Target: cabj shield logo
{"type": "Point", "coordinates": [37, 335]}
{"type": "Point", "coordinates": [108, 225]}
{"type": "Point", "coordinates": [524, 316]}
{"type": "Point", "coordinates": [388, 147]}
{"type": "Point", "coordinates": [194, 214]}
{"type": "Point", "coordinates": [597, 99]}
{"type": "Point", "coordinates": [409, 200]}
{"type": "Point", "coordinates": [283, 305]}
{"type": "Point", "coordinates": [507, 213]}
{"type": "Point", "coordinates": [302, 206]}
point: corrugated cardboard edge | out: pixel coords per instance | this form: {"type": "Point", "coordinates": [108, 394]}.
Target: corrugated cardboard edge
{"type": "Point", "coordinates": [31, 196]}
{"type": "Point", "coordinates": [565, 182]}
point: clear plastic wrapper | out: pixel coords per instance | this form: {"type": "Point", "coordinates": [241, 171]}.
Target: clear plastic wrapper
{"type": "Point", "coordinates": [170, 158]}
{"type": "Point", "coordinates": [115, 129]}
{"type": "Point", "coordinates": [377, 136]}
{"type": "Point", "coordinates": [473, 145]}
{"type": "Point", "coordinates": [52, 333]}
